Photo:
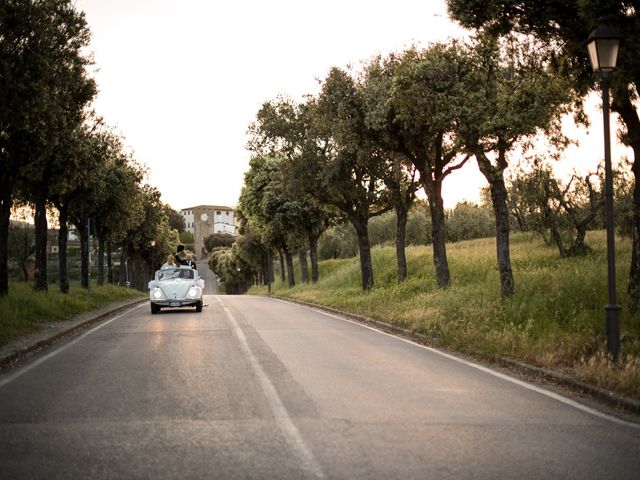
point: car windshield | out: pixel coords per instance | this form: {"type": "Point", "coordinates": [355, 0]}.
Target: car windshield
{"type": "Point", "coordinates": [173, 273]}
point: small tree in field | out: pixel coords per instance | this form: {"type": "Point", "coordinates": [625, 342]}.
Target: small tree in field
{"type": "Point", "coordinates": [560, 213]}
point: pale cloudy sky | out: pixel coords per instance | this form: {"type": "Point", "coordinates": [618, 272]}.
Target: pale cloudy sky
{"type": "Point", "coordinates": [183, 79]}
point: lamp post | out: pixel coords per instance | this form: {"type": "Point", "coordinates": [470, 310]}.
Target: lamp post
{"type": "Point", "coordinates": [602, 45]}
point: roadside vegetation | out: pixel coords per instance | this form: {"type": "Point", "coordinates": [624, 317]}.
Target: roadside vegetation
{"type": "Point", "coordinates": [358, 168]}
{"type": "Point", "coordinates": [62, 163]}
{"type": "Point", "coordinates": [554, 320]}
{"type": "Point", "coordinates": [27, 310]}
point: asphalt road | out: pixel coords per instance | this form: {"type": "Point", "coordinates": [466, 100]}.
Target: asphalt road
{"type": "Point", "coordinates": [210, 282]}
{"type": "Point", "coordinates": [254, 387]}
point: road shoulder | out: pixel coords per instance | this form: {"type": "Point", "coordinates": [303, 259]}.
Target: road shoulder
{"type": "Point", "coordinates": [52, 332]}
{"type": "Point", "coordinates": [565, 383]}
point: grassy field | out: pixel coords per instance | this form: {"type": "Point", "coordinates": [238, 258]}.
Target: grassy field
{"type": "Point", "coordinates": [554, 320]}
{"type": "Point", "coordinates": [25, 310]}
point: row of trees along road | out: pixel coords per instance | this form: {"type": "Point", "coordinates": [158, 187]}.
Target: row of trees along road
{"type": "Point", "coordinates": [561, 28]}
{"type": "Point", "coordinates": [370, 139]}
{"type": "Point", "coordinates": [56, 153]}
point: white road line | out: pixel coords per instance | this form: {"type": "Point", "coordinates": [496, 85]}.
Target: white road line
{"type": "Point", "coordinates": [288, 428]}
{"type": "Point", "coordinates": [14, 375]}
{"type": "Point", "coordinates": [528, 386]}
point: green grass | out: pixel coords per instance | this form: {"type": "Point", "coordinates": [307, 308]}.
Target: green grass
{"type": "Point", "coordinates": [25, 310]}
{"type": "Point", "coordinates": [554, 320]}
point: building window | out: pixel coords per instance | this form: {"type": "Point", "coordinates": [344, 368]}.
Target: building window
{"type": "Point", "coordinates": [218, 213]}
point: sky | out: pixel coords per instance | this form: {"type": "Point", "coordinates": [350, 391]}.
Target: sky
{"type": "Point", "coordinates": [182, 80]}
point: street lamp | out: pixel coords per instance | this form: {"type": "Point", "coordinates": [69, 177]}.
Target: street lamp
{"type": "Point", "coordinates": [603, 45]}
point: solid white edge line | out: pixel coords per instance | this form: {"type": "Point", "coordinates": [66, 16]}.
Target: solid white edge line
{"type": "Point", "coordinates": [291, 433]}
{"type": "Point", "coordinates": [528, 386]}
{"type": "Point", "coordinates": [14, 375]}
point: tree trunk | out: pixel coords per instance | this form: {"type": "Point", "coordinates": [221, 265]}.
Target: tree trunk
{"type": "Point", "coordinates": [63, 235]}
{"type": "Point", "coordinates": [499, 198]}
{"type": "Point", "coordinates": [304, 266]}
{"type": "Point", "coordinates": [123, 277]}
{"type": "Point", "coordinates": [109, 262]}
{"type": "Point", "coordinates": [139, 274]}
{"type": "Point", "coordinates": [272, 275]}
{"type": "Point", "coordinates": [634, 272]}
{"type": "Point", "coordinates": [289, 259]}
{"type": "Point", "coordinates": [41, 230]}
{"type": "Point", "coordinates": [282, 274]}
{"type": "Point", "coordinates": [438, 232]}
{"type": "Point", "coordinates": [364, 248]}
{"type": "Point", "coordinates": [100, 261]}
{"type": "Point", "coordinates": [265, 268]}
{"type": "Point", "coordinates": [556, 238]}
{"type": "Point", "coordinates": [401, 239]}
{"type": "Point", "coordinates": [624, 107]}
{"type": "Point", "coordinates": [313, 254]}
{"type": "Point", "coordinates": [579, 246]}
{"type": "Point", "coordinates": [84, 254]}
{"type": "Point", "coordinates": [494, 176]}
{"type": "Point", "coordinates": [521, 225]}
{"type": "Point", "coordinates": [5, 214]}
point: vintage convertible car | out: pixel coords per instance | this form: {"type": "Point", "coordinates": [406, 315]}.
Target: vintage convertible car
{"type": "Point", "coordinates": [176, 287]}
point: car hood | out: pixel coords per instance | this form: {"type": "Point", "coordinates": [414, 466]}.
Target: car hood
{"type": "Point", "coordinates": [175, 289]}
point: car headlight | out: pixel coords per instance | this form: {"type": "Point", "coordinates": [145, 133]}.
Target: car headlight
{"type": "Point", "coordinates": [156, 294]}
{"type": "Point", "coordinates": [193, 292]}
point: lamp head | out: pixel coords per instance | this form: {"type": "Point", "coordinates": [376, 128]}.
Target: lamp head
{"type": "Point", "coordinates": [602, 45]}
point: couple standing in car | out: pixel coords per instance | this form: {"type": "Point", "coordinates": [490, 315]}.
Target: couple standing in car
{"type": "Point", "coordinates": [180, 258]}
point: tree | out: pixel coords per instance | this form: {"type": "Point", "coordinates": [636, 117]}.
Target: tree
{"type": "Point", "coordinates": [95, 193]}
{"type": "Point", "coordinates": [413, 113]}
{"type": "Point", "coordinates": [43, 88]}
{"type": "Point", "coordinates": [233, 270]}
{"type": "Point", "coordinates": [284, 129]}
{"type": "Point", "coordinates": [468, 221]}
{"type": "Point", "coordinates": [323, 141]}
{"type": "Point", "coordinates": [116, 214]}
{"type": "Point", "coordinates": [561, 214]}
{"type": "Point", "coordinates": [216, 240]}
{"type": "Point", "coordinates": [176, 220]}
{"type": "Point", "coordinates": [349, 164]}
{"type": "Point", "coordinates": [623, 185]}
{"type": "Point", "coordinates": [339, 241]}
{"type": "Point", "coordinates": [563, 27]}
{"type": "Point", "coordinates": [264, 208]}
{"type": "Point", "coordinates": [70, 189]}
{"type": "Point", "coordinates": [21, 244]}
{"type": "Point", "coordinates": [511, 95]}
{"type": "Point", "coordinates": [150, 241]}
{"type": "Point", "coordinates": [398, 173]}
{"type": "Point", "coordinates": [187, 239]}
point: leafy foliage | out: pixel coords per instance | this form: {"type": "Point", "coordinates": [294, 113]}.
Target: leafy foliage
{"type": "Point", "coordinates": [54, 151]}
{"type": "Point", "coordinates": [216, 240]}
{"type": "Point", "coordinates": [562, 28]}
{"type": "Point", "coordinates": [44, 89]}
{"type": "Point", "coordinates": [176, 220]}
{"type": "Point", "coordinates": [229, 265]}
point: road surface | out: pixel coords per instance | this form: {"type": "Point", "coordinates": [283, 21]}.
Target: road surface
{"type": "Point", "coordinates": [210, 279]}
{"type": "Point", "coordinates": [254, 387]}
